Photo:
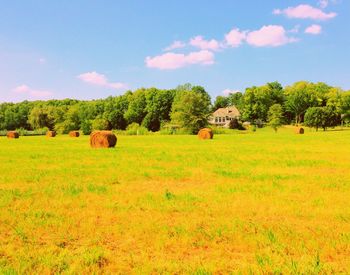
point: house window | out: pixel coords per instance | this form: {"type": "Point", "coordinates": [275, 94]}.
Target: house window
{"type": "Point", "coordinates": [223, 119]}
{"type": "Point", "coordinates": [216, 119]}
{"type": "Point", "coordinates": [219, 119]}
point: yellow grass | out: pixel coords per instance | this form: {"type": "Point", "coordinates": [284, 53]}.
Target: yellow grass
{"type": "Point", "coordinates": [257, 202]}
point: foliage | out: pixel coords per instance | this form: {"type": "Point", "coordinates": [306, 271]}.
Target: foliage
{"type": "Point", "coordinates": [153, 107]}
{"type": "Point", "coordinates": [191, 110]}
{"type": "Point", "coordinates": [100, 124]}
{"type": "Point", "coordinates": [257, 101]}
{"type": "Point", "coordinates": [275, 116]}
{"type": "Point", "coordinates": [321, 117]}
{"type": "Point", "coordinates": [236, 124]}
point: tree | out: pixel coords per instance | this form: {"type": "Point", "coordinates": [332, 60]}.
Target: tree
{"type": "Point", "coordinates": [190, 110]}
{"type": "Point", "coordinates": [99, 124]}
{"type": "Point", "coordinates": [256, 101]}
{"type": "Point", "coordinates": [40, 117]}
{"type": "Point", "coordinates": [158, 108]}
{"type": "Point", "coordinates": [275, 116]}
{"type": "Point", "coordinates": [321, 117]}
{"type": "Point", "coordinates": [137, 107]}
{"type": "Point", "coordinates": [299, 97]}
{"type": "Point", "coordinates": [235, 99]}
{"type": "Point", "coordinates": [221, 102]}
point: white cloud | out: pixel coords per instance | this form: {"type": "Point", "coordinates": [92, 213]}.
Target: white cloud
{"type": "Point", "coordinates": [171, 61]}
{"type": "Point", "coordinates": [201, 43]}
{"type": "Point", "coordinates": [323, 3]}
{"type": "Point", "coordinates": [305, 12]}
{"type": "Point", "coordinates": [269, 36]}
{"type": "Point", "coordinates": [314, 29]}
{"type": "Point", "coordinates": [176, 45]}
{"type": "Point", "coordinates": [295, 29]}
{"type": "Point", "coordinates": [26, 90]}
{"type": "Point", "coordinates": [97, 79]}
{"type": "Point", "coordinates": [235, 38]}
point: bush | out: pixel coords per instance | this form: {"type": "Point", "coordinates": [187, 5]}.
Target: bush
{"type": "Point", "coordinates": [86, 127]}
{"type": "Point", "coordinates": [65, 127]}
{"type": "Point", "coordinates": [100, 124]}
{"type": "Point", "coordinates": [135, 129]}
{"type": "Point", "coordinates": [236, 124]}
{"type": "Point", "coordinates": [259, 123]}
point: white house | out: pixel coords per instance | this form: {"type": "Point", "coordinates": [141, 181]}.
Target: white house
{"type": "Point", "coordinates": [223, 116]}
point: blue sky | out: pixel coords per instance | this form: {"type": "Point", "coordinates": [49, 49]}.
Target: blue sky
{"type": "Point", "coordinates": [92, 49]}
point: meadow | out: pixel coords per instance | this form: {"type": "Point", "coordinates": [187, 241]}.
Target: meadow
{"type": "Point", "coordinates": [245, 202]}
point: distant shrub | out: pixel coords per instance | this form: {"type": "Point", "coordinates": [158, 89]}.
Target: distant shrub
{"type": "Point", "coordinates": [86, 127]}
{"type": "Point", "coordinates": [135, 129]}
{"type": "Point", "coordinates": [65, 127]}
{"type": "Point", "coordinates": [100, 124]}
{"type": "Point", "coordinates": [36, 132]}
{"type": "Point", "coordinates": [259, 123]}
{"type": "Point", "coordinates": [236, 124]}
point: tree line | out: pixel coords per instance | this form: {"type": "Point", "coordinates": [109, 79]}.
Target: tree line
{"type": "Point", "coordinates": [187, 107]}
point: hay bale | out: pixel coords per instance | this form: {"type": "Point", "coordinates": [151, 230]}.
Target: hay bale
{"type": "Point", "coordinates": [102, 139]}
{"type": "Point", "coordinates": [74, 134]}
{"type": "Point", "coordinates": [299, 131]}
{"type": "Point", "coordinates": [51, 134]}
{"type": "Point", "coordinates": [205, 133]}
{"type": "Point", "coordinates": [12, 134]}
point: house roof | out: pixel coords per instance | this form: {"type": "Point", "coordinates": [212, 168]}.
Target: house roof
{"type": "Point", "coordinates": [230, 111]}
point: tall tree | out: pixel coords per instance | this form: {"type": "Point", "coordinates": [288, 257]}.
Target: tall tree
{"type": "Point", "coordinates": [190, 110]}
{"type": "Point", "coordinates": [275, 116]}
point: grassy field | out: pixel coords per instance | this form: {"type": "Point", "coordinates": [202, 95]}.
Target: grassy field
{"type": "Point", "coordinates": [251, 203]}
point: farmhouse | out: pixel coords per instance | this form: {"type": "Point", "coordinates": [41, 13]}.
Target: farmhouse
{"type": "Point", "coordinates": [223, 116]}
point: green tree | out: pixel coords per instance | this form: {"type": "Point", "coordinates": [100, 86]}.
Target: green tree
{"type": "Point", "coordinates": [299, 97]}
{"type": "Point", "coordinates": [190, 110]}
{"type": "Point", "coordinates": [40, 117]}
{"type": "Point", "coordinates": [137, 107]}
{"type": "Point", "coordinates": [158, 108]}
{"type": "Point", "coordinates": [100, 124]}
{"type": "Point", "coordinates": [275, 116]}
{"type": "Point", "coordinates": [235, 99]}
{"type": "Point", "coordinates": [256, 101]}
{"type": "Point", "coordinates": [321, 117]}
{"type": "Point", "coordinates": [221, 102]}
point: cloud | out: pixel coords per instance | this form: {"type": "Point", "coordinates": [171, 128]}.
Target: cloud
{"type": "Point", "coordinates": [171, 61]}
{"type": "Point", "coordinates": [201, 43]}
{"type": "Point", "coordinates": [269, 36]}
{"type": "Point", "coordinates": [226, 92]}
{"type": "Point", "coordinates": [176, 45]}
{"type": "Point", "coordinates": [97, 79]}
{"type": "Point", "coordinates": [295, 29]}
{"type": "Point", "coordinates": [305, 12]}
{"type": "Point", "coordinates": [235, 38]}
{"type": "Point", "coordinates": [24, 89]}
{"type": "Point", "coordinates": [323, 3]}
{"type": "Point", "coordinates": [313, 29]}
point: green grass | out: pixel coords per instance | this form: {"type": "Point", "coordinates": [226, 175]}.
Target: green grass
{"type": "Point", "coordinates": [251, 203]}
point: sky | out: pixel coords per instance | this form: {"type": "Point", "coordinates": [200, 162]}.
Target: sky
{"type": "Point", "coordinates": [89, 49]}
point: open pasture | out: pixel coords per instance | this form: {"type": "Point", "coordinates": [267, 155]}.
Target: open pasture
{"type": "Point", "coordinates": [257, 202]}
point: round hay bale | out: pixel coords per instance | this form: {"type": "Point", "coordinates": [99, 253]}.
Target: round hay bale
{"type": "Point", "coordinates": [51, 134]}
{"type": "Point", "coordinates": [103, 139]}
{"type": "Point", "coordinates": [299, 131]}
{"type": "Point", "coordinates": [12, 134]}
{"type": "Point", "coordinates": [205, 133]}
{"type": "Point", "coordinates": [74, 134]}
